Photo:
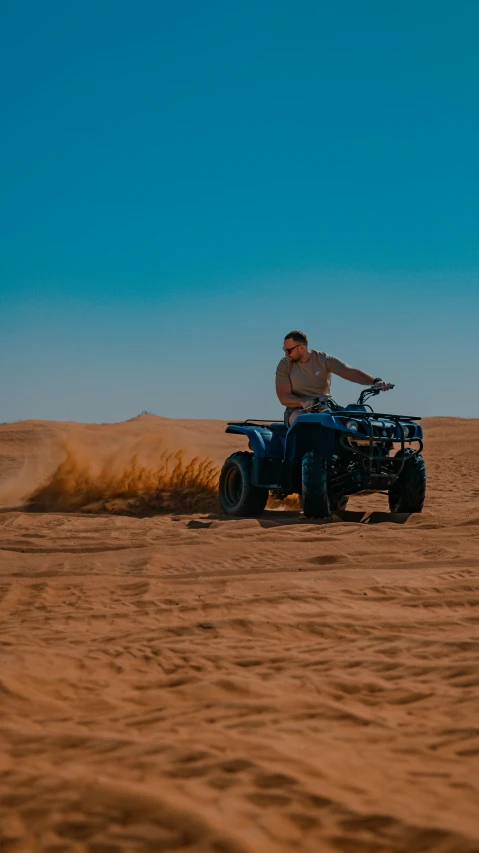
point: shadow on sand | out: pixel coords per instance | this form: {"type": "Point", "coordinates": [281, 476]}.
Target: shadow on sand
{"type": "Point", "coordinates": [271, 517]}
{"type": "Point", "coordinates": [282, 518]}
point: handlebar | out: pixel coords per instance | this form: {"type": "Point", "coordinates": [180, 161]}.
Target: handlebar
{"type": "Point", "coordinates": [373, 390]}
{"type": "Point", "coordinates": [319, 404]}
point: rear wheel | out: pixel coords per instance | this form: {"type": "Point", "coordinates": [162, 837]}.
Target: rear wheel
{"type": "Point", "coordinates": [237, 494]}
{"type": "Point", "coordinates": [314, 483]}
{"type": "Point", "coordinates": [407, 494]}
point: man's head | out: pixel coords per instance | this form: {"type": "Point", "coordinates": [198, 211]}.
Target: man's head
{"type": "Point", "coordinates": [295, 343]}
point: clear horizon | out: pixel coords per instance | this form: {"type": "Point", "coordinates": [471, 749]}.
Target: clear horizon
{"type": "Point", "coordinates": [182, 186]}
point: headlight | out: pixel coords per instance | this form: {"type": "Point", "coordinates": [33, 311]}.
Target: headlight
{"type": "Point", "coordinates": [407, 431]}
{"type": "Point", "coordinates": [352, 425]}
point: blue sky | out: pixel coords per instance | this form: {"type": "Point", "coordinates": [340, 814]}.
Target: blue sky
{"type": "Point", "coordinates": [184, 182]}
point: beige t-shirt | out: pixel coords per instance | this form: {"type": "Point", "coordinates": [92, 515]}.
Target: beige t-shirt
{"type": "Point", "coordinates": [311, 378]}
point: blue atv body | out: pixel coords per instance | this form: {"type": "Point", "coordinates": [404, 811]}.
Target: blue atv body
{"type": "Point", "coordinates": [324, 457]}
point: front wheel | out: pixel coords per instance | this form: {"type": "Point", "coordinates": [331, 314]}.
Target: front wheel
{"type": "Point", "coordinates": [338, 504]}
{"type": "Point", "coordinates": [237, 494]}
{"type": "Point", "coordinates": [314, 485]}
{"type": "Point", "coordinates": [408, 493]}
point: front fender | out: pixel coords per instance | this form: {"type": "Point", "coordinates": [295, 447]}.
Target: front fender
{"type": "Point", "coordinates": [315, 431]}
{"type": "Point", "coordinates": [327, 420]}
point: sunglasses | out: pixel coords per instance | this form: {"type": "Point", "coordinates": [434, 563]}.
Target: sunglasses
{"type": "Point", "coordinates": [288, 350]}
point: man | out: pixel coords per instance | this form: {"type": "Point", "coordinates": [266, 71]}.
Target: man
{"type": "Point", "coordinates": [305, 374]}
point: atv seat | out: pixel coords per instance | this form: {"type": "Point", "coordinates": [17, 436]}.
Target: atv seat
{"type": "Point", "coordinates": [279, 429]}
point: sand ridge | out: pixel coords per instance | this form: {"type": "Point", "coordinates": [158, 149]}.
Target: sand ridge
{"type": "Point", "coordinates": [182, 681]}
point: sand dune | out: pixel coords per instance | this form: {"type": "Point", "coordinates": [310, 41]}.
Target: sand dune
{"type": "Point", "coordinates": [174, 680]}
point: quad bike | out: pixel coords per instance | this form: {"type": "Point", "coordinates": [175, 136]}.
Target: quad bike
{"type": "Point", "coordinates": [327, 454]}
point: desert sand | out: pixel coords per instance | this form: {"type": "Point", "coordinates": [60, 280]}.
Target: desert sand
{"type": "Point", "coordinates": [174, 680]}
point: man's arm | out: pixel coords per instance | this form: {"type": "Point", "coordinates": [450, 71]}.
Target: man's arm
{"type": "Point", "coordinates": [356, 375]}
{"type": "Point", "coordinates": [286, 396]}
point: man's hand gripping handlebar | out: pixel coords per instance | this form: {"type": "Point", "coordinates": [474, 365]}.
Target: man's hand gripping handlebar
{"type": "Point", "coordinates": [380, 386]}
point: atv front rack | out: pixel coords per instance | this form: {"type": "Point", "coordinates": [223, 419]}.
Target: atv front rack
{"type": "Point", "coordinates": [360, 413]}
{"type": "Point", "coordinates": [377, 461]}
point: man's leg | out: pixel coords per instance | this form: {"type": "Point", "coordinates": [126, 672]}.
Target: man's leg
{"type": "Point", "coordinates": [290, 415]}
{"type": "Point", "coordinates": [295, 414]}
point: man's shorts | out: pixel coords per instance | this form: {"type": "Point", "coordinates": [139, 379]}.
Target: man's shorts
{"type": "Point", "coordinates": [287, 414]}
{"type": "Point", "coordinates": [322, 406]}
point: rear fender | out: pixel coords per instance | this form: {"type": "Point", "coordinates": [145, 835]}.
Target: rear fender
{"type": "Point", "coordinates": [264, 442]}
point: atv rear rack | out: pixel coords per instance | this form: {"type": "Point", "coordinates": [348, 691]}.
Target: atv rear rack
{"type": "Point", "coordinates": [252, 421]}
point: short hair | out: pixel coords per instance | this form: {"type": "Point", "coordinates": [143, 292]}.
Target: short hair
{"type": "Point", "coordinates": [297, 336]}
